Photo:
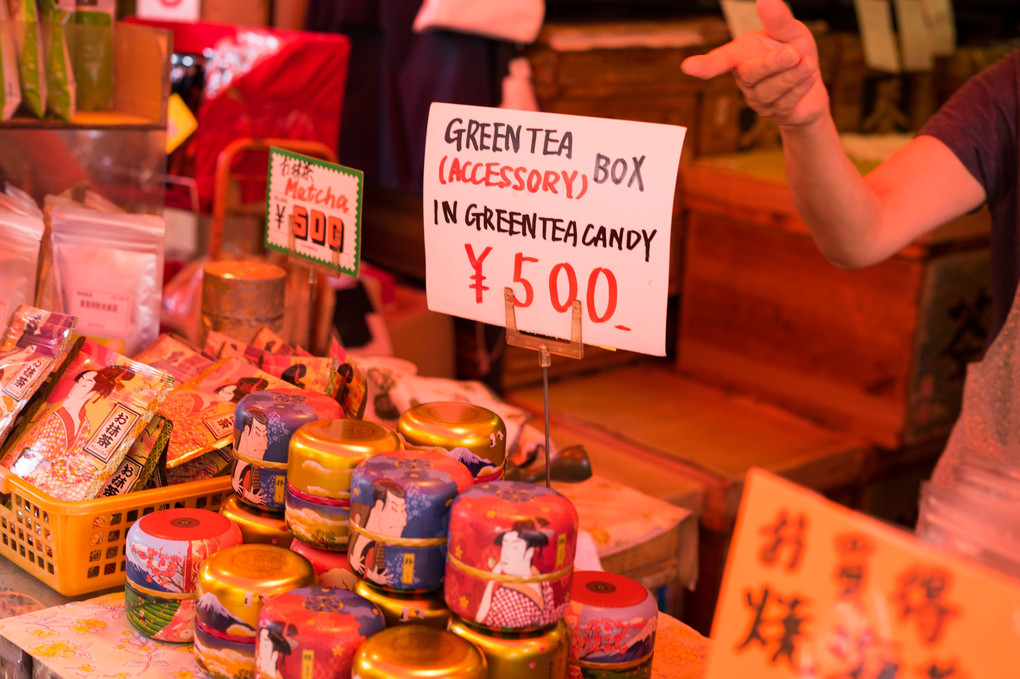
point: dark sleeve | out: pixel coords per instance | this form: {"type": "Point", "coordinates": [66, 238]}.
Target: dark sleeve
{"type": "Point", "coordinates": [979, 125]}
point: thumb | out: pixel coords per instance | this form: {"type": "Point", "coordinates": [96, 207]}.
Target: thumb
{"type": "Point", "coordinates": [778, 21]}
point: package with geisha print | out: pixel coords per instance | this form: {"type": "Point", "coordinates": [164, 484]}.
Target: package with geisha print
{"type": "Point", "coordinates": [69, 443]}
{"type": "Point", "coordinates": [144, 457]}
{"type": "Point", "coordinates": [174, 355]}
{"type": "Point", "coordinates": [336, 375]}
{"type": "Point", "coordinates": [108, 271]}
{"type": "Point", "coordinates": [202, 409]}
{"type": "Point", "coordinates": [34, 344]}
{"type": "Point", "coordinates": [352, 390]}
{"type": "Point", "coordinates": [510, 555]}
{"type": "Point", "coordinates": [268, 340]}
{"type": "Point", "coordinates": [210, 465]}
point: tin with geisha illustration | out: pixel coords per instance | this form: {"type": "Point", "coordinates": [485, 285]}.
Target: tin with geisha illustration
{"type": "Point", "coordinates": [511, 655]}
{"type": "Point", "coordinates": [257, 525]}
{"type": "Point", "coordinates": [400, 508]}
{"type": "Point", "coordinates": [233, 584]}
{"type": "Point", "coordinates": [612, 620]}
{"type": "Point", "coordinates": [265, 421]}
{"type": "Point", "coordinates": [510, 555]}
{"type": "Point", "coordinates": [474, 435]}
{"type": "Point", "coordinates": [313, 633]}
{"type": "Point", "coordinates": [164, 551]}
{"type": "Point", "coordinates": [323, 456]}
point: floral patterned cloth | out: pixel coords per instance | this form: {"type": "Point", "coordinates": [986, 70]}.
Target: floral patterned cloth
{"type": "Point", "coordinates": [92, 640]}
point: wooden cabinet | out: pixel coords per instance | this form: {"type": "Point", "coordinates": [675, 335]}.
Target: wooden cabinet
{"type": "Point", "coordinates": [878, 352]}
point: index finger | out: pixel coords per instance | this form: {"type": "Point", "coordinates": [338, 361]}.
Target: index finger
{"type": "Point", "coordinates": [720, 60]}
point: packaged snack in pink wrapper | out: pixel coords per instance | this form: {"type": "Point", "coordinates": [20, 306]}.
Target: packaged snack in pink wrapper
{"type": "Point", "coordinates": [352, 390]}
{"type": "Point", "coordinates": [267, 340]}
{"type": "Point", "coordinates": [172, 354]}
{"type": "Point", "coordinates": [202, 409]}
{"type": "Point", "coordinates": [210, 465]}
{"type": "Point", "coordinates": [219, 346]}
{"type": "Point", "coordinates": [69, 444]}
{"type": "Point", "coordinates": [33, 346]}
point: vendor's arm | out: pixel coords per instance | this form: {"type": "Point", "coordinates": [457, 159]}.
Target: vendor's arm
{"type": "Point", "coordinates": [855, 221]}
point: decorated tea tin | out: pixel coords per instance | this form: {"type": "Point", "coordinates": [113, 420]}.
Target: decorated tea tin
{"type": "Point", "coordinates": [313, 632]}
{"type": "Point", "coordinates": [164, 551]}
{"type": "Point", "coordinates": [240, 297]}
{"type": "Point", "coordinates": [400, 507]}
{"type": "Point", "coordinates": [472, 434]}
{"type": "Point", "coordinates": [265, 420]}
{"type": "Point", "coordinates": [233, 583]}
{"type": "Point", "coordinates": [262, 485]}
{"type": "Point", "coordinates": [612, 622]}
{"type": "Point", "coordinates": [413, 651]}
{"type": "Point", "coordinates": [512, 655]}
{"type": "Point", "coordinates": [323, 454]}
{"type": "Point", "coordinates": [321, 522]}
{"type": "Point", "coordinates": [407, 608]}
{"type": "Point", "coordinates": [257, 525]}
{"type": "Point", "coordinates": [511, 555]}
{"type": "Point", "coordinates": [331, 568]}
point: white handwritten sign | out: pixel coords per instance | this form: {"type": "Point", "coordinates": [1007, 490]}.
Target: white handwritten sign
{"type": "Point", "coordinates": [313, 211]}
{"type": "Point", "coordinates": [556, 208]}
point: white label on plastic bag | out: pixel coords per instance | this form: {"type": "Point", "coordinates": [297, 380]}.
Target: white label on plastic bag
{"type": "Point", "coordinates": [103, 314]}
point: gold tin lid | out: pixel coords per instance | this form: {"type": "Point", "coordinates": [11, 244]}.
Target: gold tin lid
{"type": "Point", "coordinates": [257, 525]}
{"type": "Point", "coordinates": [245, 576]}
{"type": "Point", "coordinates": [323, 454]}
{"type": "Point", "coordinates": [451, 424]}
{"type": "Point", "coordinates": [245, 289]}
{"type": "Point", "coordinates": [407, 608]}
{"type": "Point", "coordinates": [415, 651]}
{"type": "Point", "coordinates": [541, 653]}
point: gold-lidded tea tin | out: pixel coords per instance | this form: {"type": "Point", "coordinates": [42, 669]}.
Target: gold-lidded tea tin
{"type": "Point", "coordinates": [323, 454]}
{"type": "Point", "coordinates": [239, 297]}
{"type": "Point", "coordinates": [164, 551]}
{"type": "Point", "coordinates": [474, 435]}
{"type": "Point", "coordinates": [258, 526]}
{"type": "Point", "coordinates": [232, 585]}
{"type": "Point", "coordinates": [540, 653]}
{"type": "Point", "coordinates": [322, 458]}
{"type": "Point", "coordinates": [407, 608]}
{"type": "Point", "coordinates": [412, 652]}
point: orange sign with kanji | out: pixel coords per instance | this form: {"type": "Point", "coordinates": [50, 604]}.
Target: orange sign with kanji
{"type": "Point", "coordinates": [813, 589]}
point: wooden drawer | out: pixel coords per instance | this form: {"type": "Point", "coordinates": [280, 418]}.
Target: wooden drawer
{"type": "Point", "coordinates": [879, 352]}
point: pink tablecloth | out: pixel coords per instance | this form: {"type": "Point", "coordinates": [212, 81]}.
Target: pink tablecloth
{"type": "Point", "coordinates": [92, 640]}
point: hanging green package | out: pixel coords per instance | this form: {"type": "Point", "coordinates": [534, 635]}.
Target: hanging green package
{"type": "Point", "coordinates": [10, 88]}
{"type": "Point", "coordinates": [93, 48]}
{"type": "Point", "coordinates": [58, 22]}
{"type": "Point", "coordinates": [29, 46]}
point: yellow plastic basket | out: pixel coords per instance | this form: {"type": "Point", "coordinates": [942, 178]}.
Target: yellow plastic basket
{"type": "Point", "coordinates": [78, 547]}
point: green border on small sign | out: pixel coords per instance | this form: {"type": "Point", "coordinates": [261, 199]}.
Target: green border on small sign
{"type": "Point", "coordinates": [358, 175]}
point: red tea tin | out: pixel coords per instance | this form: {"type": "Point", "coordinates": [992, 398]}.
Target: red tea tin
{"type": "Point", "coordinates": [313, 632]}
{"type": "Point", "coordinates": [511, 555]}
{"type": "Point", "coordinates": [612, 621]}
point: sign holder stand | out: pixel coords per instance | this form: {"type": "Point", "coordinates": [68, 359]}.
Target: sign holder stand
{"type": "Point", "coordinates": [545, 346]}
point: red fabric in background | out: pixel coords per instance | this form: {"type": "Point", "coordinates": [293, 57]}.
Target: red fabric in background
{"type": "Point", "coordinates": [296, 93]}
